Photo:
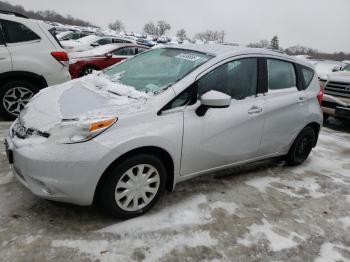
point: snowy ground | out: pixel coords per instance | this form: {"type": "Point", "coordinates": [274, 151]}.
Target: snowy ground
{"type": "Point", "coordinates": [261, 212]}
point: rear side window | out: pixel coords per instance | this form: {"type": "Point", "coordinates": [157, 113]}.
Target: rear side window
{"type": "Point", "coordinates": [127, 51]}
{"type": "Point", "coordinates": [104, 41]}
{"type": "Point", "coordinates": [281, 74]}
{"type": "Point", "coordinates": [121, 41]}
{"type": "Point", "coordinates": [16, 32]}
{"type": "Point", "coordinates": [140, 50]}
{"type": "Point", "coordinates": [308, 75]}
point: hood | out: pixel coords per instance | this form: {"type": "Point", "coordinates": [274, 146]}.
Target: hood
{"type": "Point", "coordinates": [86, 98]}
{"type": "Point", "coordinates": [341, 76]}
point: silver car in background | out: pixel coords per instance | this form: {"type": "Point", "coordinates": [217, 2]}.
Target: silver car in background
{"type": "Point", "coordinates": [123, 136]}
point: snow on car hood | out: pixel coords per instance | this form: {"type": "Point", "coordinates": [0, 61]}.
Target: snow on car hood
{"type": "Point", "coordinates": [342, 76]}
{"type": "Point", "coordinates": [81, 99]}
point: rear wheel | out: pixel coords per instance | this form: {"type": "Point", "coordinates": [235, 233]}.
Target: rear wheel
{"type": "Point", "coordinates": [301, 147]}
{"type": "Point", "coordinates": [87, 70]}
{"type": "Point", "coordinates": [131, 188]}
{"type": "Point", "coordinates": [14, 96]}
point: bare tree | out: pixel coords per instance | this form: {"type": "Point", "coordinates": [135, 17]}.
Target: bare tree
{"type": "Point", "coordinates": [156, 30]}
{"type": "Point", "coordinates": [210, 35]}
{"type": "Point", "coordinates": [163, 27]}
{"type": "Point", "coordinates": [181, 34]}
{"type": "Point", "coordinates": [150, 29]}
{"type": "Point", "coordinates": [117, 26]}
{"type": "Point", "coordinates": [261, 44]}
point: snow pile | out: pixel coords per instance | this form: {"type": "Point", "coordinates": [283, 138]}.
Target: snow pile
{"type": "Point", "coordinates": [265, 231]}
{"type": "Point", "coordinates": [331, 253]}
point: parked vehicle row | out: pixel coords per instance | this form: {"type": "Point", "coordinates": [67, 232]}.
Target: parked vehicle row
{"type": "Point", "coordinates": [31, 58]}
{"type": "Point", "coordinates": [93, 41]}
{"type": "Point", "coordinates": [125, 135]}
{"type": "Point", "coordinates": [84, 63]}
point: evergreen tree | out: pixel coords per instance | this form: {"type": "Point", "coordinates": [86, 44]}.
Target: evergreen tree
{"type": "Point", "coordinates": [275, 43]}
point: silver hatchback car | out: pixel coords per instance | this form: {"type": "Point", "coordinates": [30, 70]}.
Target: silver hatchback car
{"type": "Point", "coordinates": [123, 136]}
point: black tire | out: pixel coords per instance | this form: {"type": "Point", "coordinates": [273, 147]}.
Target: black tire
{"type": "Point", "coordinates": [87, 70]}
{"type": "Point", "coordinates": [325, 117]}
{"type": "Point", "coordinates": [106, 190]}
{"type": "Point", "coordinates": [301, 147]}
{"type": "Point", "coordinates": [22, 90]}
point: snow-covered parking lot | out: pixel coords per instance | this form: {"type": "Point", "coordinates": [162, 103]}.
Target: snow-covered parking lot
{"type": "Point", "coordinates": [261, 212]}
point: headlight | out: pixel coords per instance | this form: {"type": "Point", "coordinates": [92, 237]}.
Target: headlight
{"type": "Point", "coordinates": [76, 132]}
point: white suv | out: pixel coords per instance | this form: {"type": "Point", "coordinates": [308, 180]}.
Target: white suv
{"type": "Point", "coordinates": [31, 58]}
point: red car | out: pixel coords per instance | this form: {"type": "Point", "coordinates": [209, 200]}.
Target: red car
{"type": "Point", "coordinates": [84, 63]}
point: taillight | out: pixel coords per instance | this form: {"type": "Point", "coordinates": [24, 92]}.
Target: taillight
{"type": "Point", "coordinates": [320, 94]}
{"type": "Point", "coordinates": [61, 57]}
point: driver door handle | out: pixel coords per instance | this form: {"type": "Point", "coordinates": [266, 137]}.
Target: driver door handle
{"type": "Point", "coordinates": [255, 110]}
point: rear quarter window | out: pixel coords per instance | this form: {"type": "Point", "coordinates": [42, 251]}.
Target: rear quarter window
{"type": "Point", "coordinates": [281, 74]}
{"type": "Point", "coordinates": [16, 32]}
{"type": "Point", "coordinates": [308, 75]}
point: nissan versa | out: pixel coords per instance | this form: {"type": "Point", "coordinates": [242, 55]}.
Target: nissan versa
{"type": "Point", "coordinates": [122, 136]}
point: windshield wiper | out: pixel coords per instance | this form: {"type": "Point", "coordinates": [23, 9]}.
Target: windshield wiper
{"type": "Point", "coordinates": [115, 93]}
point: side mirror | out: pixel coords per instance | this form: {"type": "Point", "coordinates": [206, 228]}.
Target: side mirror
{"type": "Point", "coordinates": [335, 69]}
{"type": "Point", "coordinates": [213, 99]}
{"type": "Point", "coordinates": [109, 55]}
{"type": "Point", "coordinates": [95, 45]}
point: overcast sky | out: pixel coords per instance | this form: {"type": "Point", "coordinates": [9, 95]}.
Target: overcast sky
{"type": "Point", "coordinates": [321, 24]}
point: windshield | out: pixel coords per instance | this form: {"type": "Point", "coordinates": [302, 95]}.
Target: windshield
{"type": "Point", "coordinates": [157, 69]}
{"type": "Point", "coordinates": [346, 68]}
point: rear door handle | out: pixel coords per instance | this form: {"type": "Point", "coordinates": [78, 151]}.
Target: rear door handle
{"type": "Point", "coordinates": [2, 58]}
{"type": "Point", "coordinates": [255, 110]}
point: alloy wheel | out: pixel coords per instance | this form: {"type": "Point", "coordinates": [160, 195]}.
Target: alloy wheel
{"type": "Point", "coordinates": [16, 98]}
{"type": "Point", "coordinates": [88, 71]}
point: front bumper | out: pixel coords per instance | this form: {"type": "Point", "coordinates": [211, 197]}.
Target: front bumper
{"type": "Point", "coordinates": [64, 173]}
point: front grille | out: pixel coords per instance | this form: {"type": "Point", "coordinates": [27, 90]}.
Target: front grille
{"type": "Point", "coordinates": [329, 104]}
{"type": "Point", "coordinates": [338, 89]}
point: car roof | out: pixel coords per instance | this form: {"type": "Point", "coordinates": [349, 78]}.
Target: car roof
{"type": "Point", "coordinates": [227, 51]}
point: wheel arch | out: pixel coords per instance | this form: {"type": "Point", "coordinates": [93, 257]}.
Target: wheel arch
{"type": "Point", "coordinates": [316, 127]}
{"type": "Point", "coordinates": [24, 76]}
{"type": "Point", "coordinates": [161, 153]}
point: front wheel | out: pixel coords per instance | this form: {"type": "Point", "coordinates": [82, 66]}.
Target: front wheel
{"type": "Point", "coordinates": [131, 188]}
{"type": "Point", "coordinates": [301, 147]}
